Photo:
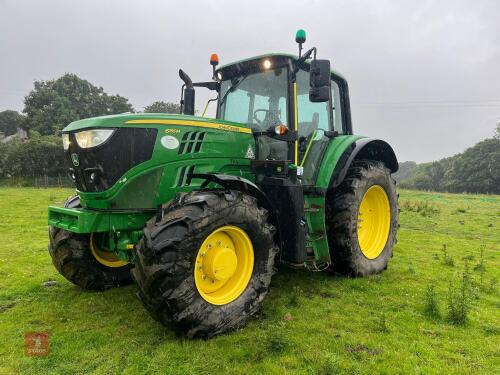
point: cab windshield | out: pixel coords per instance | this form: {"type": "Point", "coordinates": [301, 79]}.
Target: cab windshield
{"type": "Point", "coordinates": [259, 99]}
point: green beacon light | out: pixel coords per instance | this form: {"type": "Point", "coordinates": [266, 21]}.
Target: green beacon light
{"type": "Point", "coordinates": [300, 37]}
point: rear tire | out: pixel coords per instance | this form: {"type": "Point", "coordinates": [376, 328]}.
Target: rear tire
{"type": "Point", "coordinates": [343, 220]}
{"type": "Point", "coordinates": [168, 253]}
{"type": "Point", "coordinates": [72, 257]}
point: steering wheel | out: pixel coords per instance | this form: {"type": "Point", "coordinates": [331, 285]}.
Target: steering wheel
{"type": "Point", "coordinates": [260, 122]}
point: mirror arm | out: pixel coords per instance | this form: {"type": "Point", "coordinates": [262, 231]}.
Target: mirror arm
{"type": "Point", "coordinates": [214, 86]}
{"type": "Point", "coordinates": [301, 60]}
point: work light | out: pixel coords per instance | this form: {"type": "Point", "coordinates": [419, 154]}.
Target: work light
{"type": "Point", "coordinates": [66, 142]}
{"type": "Point", "coordinates": [93, 138]}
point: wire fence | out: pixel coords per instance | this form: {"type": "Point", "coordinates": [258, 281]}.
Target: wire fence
{"type": "Point", "coordinates": [38, 181]}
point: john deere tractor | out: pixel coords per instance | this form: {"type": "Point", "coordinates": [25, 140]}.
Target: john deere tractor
{"type": "Point", "coordinates": [200, 211]}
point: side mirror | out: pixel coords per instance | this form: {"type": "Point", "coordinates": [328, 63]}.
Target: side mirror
{"type": "Point", "coordinates": [188, 101]}
{"type": "Point", "coordinates": [320, 81]}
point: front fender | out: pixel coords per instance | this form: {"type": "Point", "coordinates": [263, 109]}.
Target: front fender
{"type": "Point", "coordinates": [241, 184]}
{"type": "Point", "coordinates": [235, 183]}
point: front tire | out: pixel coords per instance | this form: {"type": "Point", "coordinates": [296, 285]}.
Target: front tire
{"type": "Point", "coordinates": [362, 220]}
{"type": "Point", "coordinates": [79, 260]}
{"type": "Point", "coordinates": [207, 263]}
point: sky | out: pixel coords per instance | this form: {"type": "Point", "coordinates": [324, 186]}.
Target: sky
{"type": "Point", "coordinates": [423, 75]}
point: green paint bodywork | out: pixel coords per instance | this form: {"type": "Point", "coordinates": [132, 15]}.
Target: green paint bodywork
{"type": "Point", "coordinates": [123, 209]}
{"type": "Point", "coordinates": [335, 149]}
{"type": "Point", "coordinates": [316, 235]}
{"type": "Point", "coordinates": [315, 206]}
{"type": "Point", "coordinates": [156, 181]}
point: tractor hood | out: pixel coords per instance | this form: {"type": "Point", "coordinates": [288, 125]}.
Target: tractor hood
{"type": "Point", "coordinates": [129, 119]}
{"type": "Point", "coordinates": [110, 153]}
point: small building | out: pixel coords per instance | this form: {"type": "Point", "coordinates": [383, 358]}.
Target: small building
{"type": "Point", "coordinates": [21, 134]}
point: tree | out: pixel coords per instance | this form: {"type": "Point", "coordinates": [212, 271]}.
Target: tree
{"type": "Point", "coordinates": [52, 105]}
{"type": "Point", "coordinates": [10, 121]}
{"type": "Point", "coordinates": [497, 132]}
{"type": "Point", "coordinates": [37, 156]}
{"type": "Point", "coordinates": [476, 169]}
{"type": "Point", "coordinates": [426, 176]}
{"type": "Point", "coordinates": [405, 171]}
{"type": "Point", "coordinates": [437, 171]}
{"type": "Point", "coordinates": [473, 171]}
{"type": "Point", "coordinates": [163, 107]}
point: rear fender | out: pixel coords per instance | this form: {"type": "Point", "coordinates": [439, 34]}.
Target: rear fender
{"type": "Point", "coordinates": [333, 173]}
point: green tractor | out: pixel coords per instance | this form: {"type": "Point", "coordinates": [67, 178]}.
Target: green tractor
{"type": "Point", "coordinates": [200, 211]}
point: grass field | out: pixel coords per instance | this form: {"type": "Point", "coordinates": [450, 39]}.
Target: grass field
{"type": "Point", "coordinates": [311, 323]}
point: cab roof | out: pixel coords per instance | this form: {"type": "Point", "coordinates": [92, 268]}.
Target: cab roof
{"type": "Point", "coordinates": [273, 56]}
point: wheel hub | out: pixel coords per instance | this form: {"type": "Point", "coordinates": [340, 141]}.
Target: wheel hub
{"type": "Point", "coordinates": [220, 261]}
{"type": "Point", "coordinates": [106, 258]}
{"type": "Point", "coordinates": [224, 265]}
{"type": "Point", "coordinates": [374, 221]}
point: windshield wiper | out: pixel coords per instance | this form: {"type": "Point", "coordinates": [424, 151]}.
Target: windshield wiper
{"type": "Point", "coordinates": [233, 87]}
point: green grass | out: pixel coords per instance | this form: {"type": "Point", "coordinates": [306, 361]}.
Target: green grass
{"type": "Point", "coordinates": [310, 323]}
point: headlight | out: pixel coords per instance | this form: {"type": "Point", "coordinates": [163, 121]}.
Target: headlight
{"type": "Point", "coordinates": [65, 138]}
{"type": "Point", "coordinates": [92, 138]}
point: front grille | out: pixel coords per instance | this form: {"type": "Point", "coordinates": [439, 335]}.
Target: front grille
{"type": "Point", "coordinates": [182, 177]}
{"type": "Point", "coordinates": [191, 142]}
{"type": "Point", "coordinates": [98, 168]}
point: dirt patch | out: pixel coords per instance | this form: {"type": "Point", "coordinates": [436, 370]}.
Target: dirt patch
{"type": "Point", "coordinates": [318, 293]}
{"type": "Point", "coordinates": [49, 283]}
{"type": "Point", "coordinates": [7, 306]}
{"type": "Point", "coordinates": [287, 317]}
{"type": "Point", "coordinates": [361, 349]}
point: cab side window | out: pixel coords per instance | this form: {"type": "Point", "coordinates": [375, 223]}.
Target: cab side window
{"type": "Point", "coordinates": [311, 116]}
{"type": "Point", "coordinates": [336, 109]}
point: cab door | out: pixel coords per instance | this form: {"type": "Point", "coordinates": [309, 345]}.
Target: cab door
{"type": "Point", "coordinates": [259, 100]}
{"type": "Point", "coordinates": [314, 119]}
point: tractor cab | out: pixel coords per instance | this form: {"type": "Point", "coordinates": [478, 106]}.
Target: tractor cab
{"type": "Point", "coordinates": [272, 94]}
{"type": "Point", "coordinates": [294, 105]}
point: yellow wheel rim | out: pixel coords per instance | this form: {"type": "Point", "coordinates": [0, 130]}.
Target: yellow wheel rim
{"type": "Point", "coordinates": [374, 221]}
{"type": "Point", "coordinates": [106, 258]}
{"type": "Point", "coordinates": [224, 265]}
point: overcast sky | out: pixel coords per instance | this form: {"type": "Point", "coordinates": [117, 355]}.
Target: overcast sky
{"type": "Point", "coordinates": [423, 75]}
